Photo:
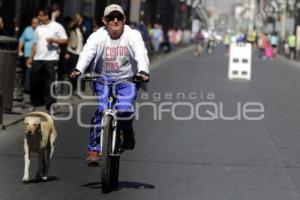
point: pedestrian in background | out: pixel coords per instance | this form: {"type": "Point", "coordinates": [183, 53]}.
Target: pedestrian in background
{"type": "Point", "coordinates": [179, 34]}
{"type": "Point", "coordinates": [251, 37]}
{"type": "Point", "coordinates": [186, 37]}
{"type": "Point", "coordinates": [172, 35]}
{"type": "Point", "coordinates": [24, 50]}
{"type": "Point", "coordinates": [87, 26]}
{"type": "Point", "coordinates": [241, 38]}
{"type": "Point", "coordinates": [143, 30]}
{"type": "Point", "coordinates": [262, 43]}
{"type": "Point", "coordinates": [145, 34]}
{"type": "Point", "coordinates": [157, 38]}
{"type": "Point", "coordinates": [269, 51]}
{"type": "Point", "coordinates": [44, 58]}
{"type": "Point", "coordinates": [274, 42]}
{"type": "Point", "coordinates": [292, 41]}
{"type": "Point", "coordinates": [199, 43]}
{"type": "Point", "coordinates": [75, 44]}
{"type": "Point", "coordinates": [226, 42]}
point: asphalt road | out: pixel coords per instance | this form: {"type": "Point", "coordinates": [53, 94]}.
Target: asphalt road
{"type": "Point", "coordinates": [190, 159]}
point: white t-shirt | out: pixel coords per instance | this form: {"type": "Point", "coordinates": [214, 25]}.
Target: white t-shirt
{"type": "Point", "coordinates": [45, 51]}
{"type": "Point", "coordinates": [120, 58]}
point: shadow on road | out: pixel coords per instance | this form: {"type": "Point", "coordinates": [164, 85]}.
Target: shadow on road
{"type": "Point", "coordinates": [134, 185]}
{"type": "Point", "coordinates": [122, 185]}
{"type": "Point", "coordinates": [50, 179]}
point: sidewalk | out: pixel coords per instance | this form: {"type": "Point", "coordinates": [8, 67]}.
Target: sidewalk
{"type": "Point", "coordinates": [20, 109]}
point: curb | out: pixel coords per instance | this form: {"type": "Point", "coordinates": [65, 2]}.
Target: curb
{"type": "Point", "coordinates": [5, 126]}
{"type": "Point", "coordinates": [291, 62]}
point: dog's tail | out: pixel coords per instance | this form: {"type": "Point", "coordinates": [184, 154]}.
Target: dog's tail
{"type": "Point", "coordinates": [43, 115]}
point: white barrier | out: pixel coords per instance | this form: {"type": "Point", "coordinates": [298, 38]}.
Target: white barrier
{"type": "Point", "coordinates": [240, 61]}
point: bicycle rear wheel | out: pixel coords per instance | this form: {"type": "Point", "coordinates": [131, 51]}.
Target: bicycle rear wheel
{"type": "Point", "coordinates": [107, 161]}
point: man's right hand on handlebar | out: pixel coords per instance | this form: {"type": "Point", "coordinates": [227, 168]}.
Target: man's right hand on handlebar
{"type": "Point", "coordinates": [74, 74]}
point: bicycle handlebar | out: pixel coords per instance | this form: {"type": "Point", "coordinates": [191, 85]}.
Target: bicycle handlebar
{"type": "Point", "coordinates": [99, 78]}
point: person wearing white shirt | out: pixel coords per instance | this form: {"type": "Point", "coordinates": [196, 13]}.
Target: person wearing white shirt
{"type": "Point", "coordinates": [49, 35]}
{"type": "Point", "coordinates": [115, 51]}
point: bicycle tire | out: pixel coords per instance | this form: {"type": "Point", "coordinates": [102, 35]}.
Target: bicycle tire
{"type": "Point", "coordinates": [115, 171]}
{"type": "Point", "coordinates": [106, 160]}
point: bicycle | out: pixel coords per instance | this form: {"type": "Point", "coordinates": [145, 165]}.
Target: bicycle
{"type": "Point", "coordinates": [110, 137]}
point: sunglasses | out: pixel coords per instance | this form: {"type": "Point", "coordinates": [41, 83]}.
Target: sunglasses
{"type": "Point", "coordinates": [112, 17]}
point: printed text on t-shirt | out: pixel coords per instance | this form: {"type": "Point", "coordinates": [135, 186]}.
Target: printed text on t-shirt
{"type": "Point", "coordinates": [113, 57]}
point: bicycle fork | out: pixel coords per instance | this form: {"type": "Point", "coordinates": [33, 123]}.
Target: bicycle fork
{"type": "Point", "coordinates": [113, 113]}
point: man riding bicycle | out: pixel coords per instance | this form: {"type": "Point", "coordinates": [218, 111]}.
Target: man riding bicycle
{"type": "Point", "coordinates": [116, 52]}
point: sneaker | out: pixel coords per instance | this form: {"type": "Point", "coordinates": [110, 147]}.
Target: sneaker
{"type": "Point", "coordinates": [128, 141]}
{"type": "Point", "coordinates": [93, 158]}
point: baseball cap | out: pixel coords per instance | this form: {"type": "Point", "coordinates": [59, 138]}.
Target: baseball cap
{"type": "Point", "coordinates": [113, 7]}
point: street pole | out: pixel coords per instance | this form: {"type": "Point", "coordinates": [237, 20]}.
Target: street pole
{"type": "Point", "coordinates": [283, 20]}
{"type": "Point", "coordinates": [252, 15]}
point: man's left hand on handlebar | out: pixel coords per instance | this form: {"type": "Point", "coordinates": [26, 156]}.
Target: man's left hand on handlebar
{"type": "Point", "coordinates": [143, 76]}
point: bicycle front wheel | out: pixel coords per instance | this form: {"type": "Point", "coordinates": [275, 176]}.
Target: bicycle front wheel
{"type": "Point", "coordinates": [106, 161]}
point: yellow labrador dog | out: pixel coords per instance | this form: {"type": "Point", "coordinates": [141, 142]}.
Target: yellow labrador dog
{"type": "Point", "coordinates": [40, 136]}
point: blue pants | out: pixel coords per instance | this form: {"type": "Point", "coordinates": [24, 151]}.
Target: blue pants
{"type": "Point", "coordinates": [125, 94]}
